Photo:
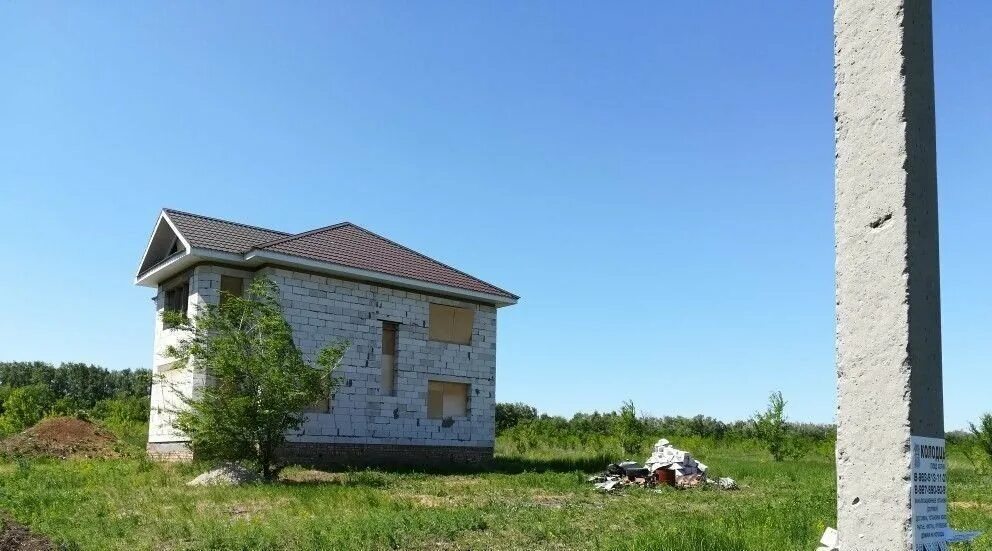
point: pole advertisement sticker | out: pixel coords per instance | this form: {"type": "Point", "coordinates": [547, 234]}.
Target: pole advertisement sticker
{"type": "Point", "coordinates": [929, 494]}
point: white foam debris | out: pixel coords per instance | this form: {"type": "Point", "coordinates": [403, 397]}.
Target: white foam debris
{"type": "Point", "coordinates": [666, 465]}
{"type": "Point", "coordinates": [829, 540]}
{"type": "Point", "coordinates": [608, 485]}
{"type": "Point", "coordinates": [666, 456]}
{"type": "Point", "coordinates": [726, 483]}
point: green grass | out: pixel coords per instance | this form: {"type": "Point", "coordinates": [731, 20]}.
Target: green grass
{"type": "Point", "coordinates": [538, 500]}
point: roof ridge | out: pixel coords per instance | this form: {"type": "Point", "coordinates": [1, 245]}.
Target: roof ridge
{"type": "Point", "coordinates": [424, 256]}
{"type": "Point", "coordinates": [177, 211]}
{"type": "Point", "coordinates": [290, 237]}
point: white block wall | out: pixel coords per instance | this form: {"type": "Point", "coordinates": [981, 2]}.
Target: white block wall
{"type": "Point", "coordinates": [322, 310]}
{"type": "Point", "coordinates": [169, 380]}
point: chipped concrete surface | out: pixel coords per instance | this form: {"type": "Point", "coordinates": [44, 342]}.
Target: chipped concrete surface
{"type": "Point", "coordinates": [888, 283]}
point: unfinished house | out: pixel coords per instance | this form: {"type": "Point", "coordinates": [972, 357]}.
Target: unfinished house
{"type": "Point", "coordinates": [418, 379]}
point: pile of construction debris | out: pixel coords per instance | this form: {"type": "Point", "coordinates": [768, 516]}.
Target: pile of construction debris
{"type": "Point", "coordinates": [686, 471]}
{"type": "Point", "coordinates": [667, 465]}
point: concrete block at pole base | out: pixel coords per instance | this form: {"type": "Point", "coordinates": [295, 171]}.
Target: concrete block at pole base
{"type": "Point", "coordinates": [829, 541]}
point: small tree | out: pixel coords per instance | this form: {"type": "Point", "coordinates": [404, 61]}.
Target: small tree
{"type": "Point", "coordinates": [628, 428]}
{"type": "Point", "coordinates": [259, 384]}
{"type": "Point", "coordinates": [983, 435]}
{"type": "Point", "coordinates": [770, 427]}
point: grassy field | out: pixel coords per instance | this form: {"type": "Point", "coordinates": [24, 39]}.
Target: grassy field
{"type": "Point", "coordinates": [540, 500]}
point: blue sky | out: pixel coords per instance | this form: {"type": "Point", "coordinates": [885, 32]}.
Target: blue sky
{"type": "Point", "coordinates": [654, 179]}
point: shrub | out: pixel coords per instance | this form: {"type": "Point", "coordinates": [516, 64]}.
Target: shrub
{"type": "Point", "coordinates": [68, 407]}
{"type": "Point", "coordinates": [511, 415]}
{"type": "Point", "coordinates": [27, 405]}
{"type": "Point", "coordinates": [5, 391]}
{"type": "Point", "coordinates": [983, 436]}
{"type": "Point", "coordinates": [122, 410]}
{"type": "Point", "coordinates": [6, 428]}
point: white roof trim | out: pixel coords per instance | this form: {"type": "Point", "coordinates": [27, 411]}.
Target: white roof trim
{"type": "Point", "coordinates": [221, 256]}
{"type": "Point", "coordinates": [162, 216]}
{"type": "Point", "coordinates": [180, 261]}
{"type": "Point", "coordinates": [151, 279]}
{"type": "Point", "coordinates": [359, 273]}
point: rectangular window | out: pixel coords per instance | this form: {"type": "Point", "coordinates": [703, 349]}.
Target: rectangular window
{"type": "Point", "coordinates": [177, 299]}
{"type": "Point", "coordinates": [450, 324]}
{"type": "Point", "coordinates": [230, 286]}
{"type": "Point", "coordinates": [389, 332]}
{"type": "Point", "coordinates": [446, 399]}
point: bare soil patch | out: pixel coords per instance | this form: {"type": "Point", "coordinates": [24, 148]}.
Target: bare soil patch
{"type": "Point", "coordinates": [61, 438]}
{"type": "Point", "coordinates": [16, 537]}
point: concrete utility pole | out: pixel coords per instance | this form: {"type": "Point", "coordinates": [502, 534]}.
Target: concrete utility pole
{"type": "Point", "coordinates": [890, 396]}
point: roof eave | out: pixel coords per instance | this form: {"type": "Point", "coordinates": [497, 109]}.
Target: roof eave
{"type": "Point", "coordinates": [330, 268]}
{"type": "Point", "coordinates": [164, 270]}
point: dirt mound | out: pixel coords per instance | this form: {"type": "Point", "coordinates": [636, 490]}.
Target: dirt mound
{"type": "Point", "coordinates": [61, 437]}
{"type": "Point", "coordinates": [13, 536]}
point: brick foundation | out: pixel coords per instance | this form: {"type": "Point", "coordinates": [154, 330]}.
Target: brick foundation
{"type": "Point", "coordinates": [169, 451]}
{"type": "Point", "coordinates": [327, 455]}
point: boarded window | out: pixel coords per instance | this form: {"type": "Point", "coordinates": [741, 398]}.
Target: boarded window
{"type": "Point", "coordinates": [230, 287]}
{"type": "Point", "coordinates": [177, 299]}
{"type": "Point", "coordinates": [450, 324]}
{"type": "Point", "coordinates": [389, 331]}
{"type": "Point", "coordinates": [446, 399]}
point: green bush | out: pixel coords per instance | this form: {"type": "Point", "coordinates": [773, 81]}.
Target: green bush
{"type": "Point", "coordinates": [982, 434]}
{"type": "Point", "coordinates": [68, 407]}
{"type": "Point", "coordinates": [5, 391]}
{"type": "Point", "coordinates": [511, 415]}
{"type": "Point", "coordinates": [130, 409]}
{"type": "Point", "coordinates": [6, 427]}
{"type": "Point", "coordinates": [27, 405]}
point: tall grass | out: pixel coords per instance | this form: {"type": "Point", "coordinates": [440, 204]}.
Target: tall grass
{"type": "Point", "coordinates": [535, 497]}
{"type": "Point", "coordinates": [537, 500]}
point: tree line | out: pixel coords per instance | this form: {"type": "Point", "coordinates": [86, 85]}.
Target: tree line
{"type": "Point", "coordinates": [509, 415]}
{"type": "Point", "coordinates": [29, 391]}
{"type": "Point", "coordinates": [521, 428]}
{"type": "Point", "coordinates": [624, 431]}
